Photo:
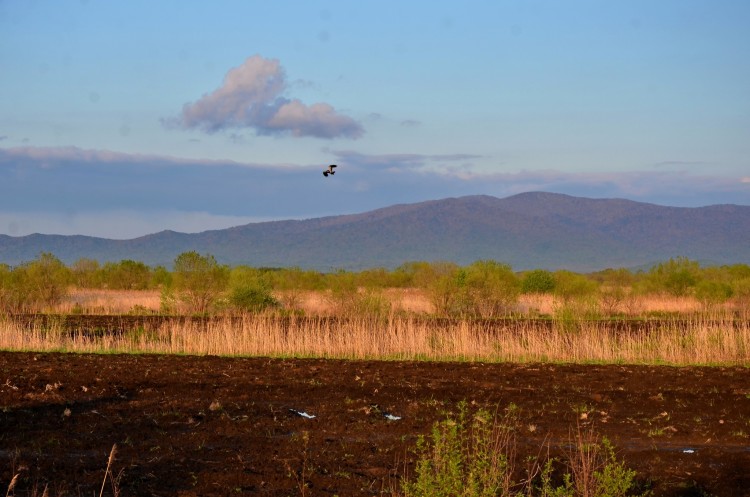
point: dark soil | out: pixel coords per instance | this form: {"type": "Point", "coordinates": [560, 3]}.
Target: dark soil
{"type": "Point", "coordinates": [230, 426]}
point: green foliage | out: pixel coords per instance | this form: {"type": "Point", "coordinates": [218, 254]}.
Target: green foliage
{"type": "Point", "coordinates": [198, 282]}
{"type": "Point", "coordinates": [485, 288]}
{"type": "Point", "coordinates": [474, 455]}
{"type": "Point", "coordinates": [126, 275]}
{"type": "Point", "coordinates": [349, 299]}
{"type": "Point", "coordinates": [444, 283]}
{"type": "Point", "coordinates": [465, 456]}
{"type": "Point", "coordinates": [250, 290]}
{"type": "Point", "coordinates": [713, 292]}
{"type": "Point", "coordinates": [34, 286]}
{"type": "Point", "coordinates": [251, 298]}
{"type": "Point", "coordinates": [613, 478]}
{"type": "Point", "coordinates": [491, 288]}
{"type": "Point", "coordinates": [571, 286]}
{"type": "Point", "coordinates": [676, 277]}
{"type": "Point", "coordinates": [86, 273]}
{"type": "Point", "coordinates": [538, 281]}
{"type": "Point", "coordinates": [160, 277]}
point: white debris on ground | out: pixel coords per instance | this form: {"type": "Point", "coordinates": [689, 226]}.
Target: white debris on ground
{"type": "Point", "coordinates": [302, 413]}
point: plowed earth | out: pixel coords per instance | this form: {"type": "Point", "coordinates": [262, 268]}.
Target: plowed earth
{"type": "Point", "coordinates": [230, 426]}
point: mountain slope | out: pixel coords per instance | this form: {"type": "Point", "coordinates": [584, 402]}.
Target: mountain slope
{"type": "Point", "coordinates": [530, 230]}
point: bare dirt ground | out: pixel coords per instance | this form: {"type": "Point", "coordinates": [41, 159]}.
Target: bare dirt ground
{"type": "Point", "coordinates": [229, 426]}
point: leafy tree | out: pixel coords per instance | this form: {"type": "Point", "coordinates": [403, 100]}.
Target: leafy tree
{"type": "Point", "coordinates": [126, 275]}
{"type": "Point", "coordinates": [677, 277]}
{"type": "Point", "coordinates": [615, 288]}
{"type": "Point", "coordinates": [491, 288]}
{"type": "Point", "coordinates": [445, 283]}
{"type": "Point", "coordinates": [711, 293]}
{"type": "Point", "coordinates": [160, 278]}
{"type": "Point", "coordinates": [198, 281]}
{"type": "Point", "coordinates": [571, 287]}
{"type": "Point", "coordinates": [48, 279]}
{"type": "Point", "coordinates": [538, 281]}
{"type": "Point", "coordinates": [250, 290]}
{"type": "Point", "coordinates": [86, 273]}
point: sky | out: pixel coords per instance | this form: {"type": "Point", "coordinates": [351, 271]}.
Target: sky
{"type": "Point", "coordinates": [120, 119]}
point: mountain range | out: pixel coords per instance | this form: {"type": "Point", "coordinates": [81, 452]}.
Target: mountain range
{"type": "Point", "coordinates": [528, 231]}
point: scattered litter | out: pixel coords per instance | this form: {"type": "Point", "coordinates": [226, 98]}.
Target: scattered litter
{"type": "Point", "coordinates": [376, 409]}
{"type": "Point", "coordinates": [302, 413]}
{"type": "Point", "coordinates": [688, 451]}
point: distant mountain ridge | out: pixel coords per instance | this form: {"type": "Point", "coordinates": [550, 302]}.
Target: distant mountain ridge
{"type": "Point", "coordinates": [528, 230]}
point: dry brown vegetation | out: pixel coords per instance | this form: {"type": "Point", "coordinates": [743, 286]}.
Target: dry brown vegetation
{"type": "Point", "coordinates": [405, 334]}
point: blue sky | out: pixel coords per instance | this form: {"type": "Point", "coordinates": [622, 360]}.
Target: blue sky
{"type": "Point", "coordinates": [119, 119]}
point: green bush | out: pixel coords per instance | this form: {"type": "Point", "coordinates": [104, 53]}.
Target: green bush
{"type": "Point", "coordinates": [538, 281]}
{"type": "Point", "coordinates": [252, 298]}
{"type": "Point", "coordinates": [197, 283]}
{"type": "Point", "coordinates": [466, 456]}
{"type": "Point", "coordinates": [474, 455]}
{"type": "Point", "coordinates": [713, 292]}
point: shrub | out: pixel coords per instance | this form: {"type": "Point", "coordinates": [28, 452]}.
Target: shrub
{"type": "Point", "coordinates": [252, 298]}
{"type": "Point", "coordinates": [474, 455]}
{"type": "Point", "coordinates": [466, 456]}
{"type": "Point", "coordinates": [713, 292]}
{"type": "Point", "coordinates": [491, 288]}
{"type": "Point", "coordinates": [538, 281]}
{"type": "Point", "coordinates": [198, 282]}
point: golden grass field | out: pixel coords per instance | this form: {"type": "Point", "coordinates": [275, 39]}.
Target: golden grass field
{"type": "Point", "coordinates": [694, 338]}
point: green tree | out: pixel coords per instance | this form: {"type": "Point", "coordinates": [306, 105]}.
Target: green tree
{"type": "Point", "coordinates": [126, 275]}
{"type": "Point", "coordinates": [538, 281]}
{"type": "Point", "coordinates": [445, 285]}
{"type": "Point", "coordinates": [86, 273]}
{"type": "Point", "coordinates": [572, 287]}
{"type": "Point", "coordinates": [48, 280]}
{"type": "Point", "coordinates": [677, 277]}
{"type": "Point", "coordinates": [615, 288]}
{"type": "Point", "coordinates": [711, 293]}
{"type": "Point", "coordinates": [491, 288]}
{"type": "Point", "coordinates": [250, 290]}
{"type": "Point", "coordinates": [198, 281]}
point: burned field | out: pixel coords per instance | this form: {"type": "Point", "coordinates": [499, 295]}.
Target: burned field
{"type": "Point", "coordinates": [209, 425]}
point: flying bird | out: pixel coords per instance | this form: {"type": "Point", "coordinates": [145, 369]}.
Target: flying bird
{"type": "Point", "coordinates": [329, 170]}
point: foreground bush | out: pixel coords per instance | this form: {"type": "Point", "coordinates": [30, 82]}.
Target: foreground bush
{"type": "Point", "coordinates": [475, 456]}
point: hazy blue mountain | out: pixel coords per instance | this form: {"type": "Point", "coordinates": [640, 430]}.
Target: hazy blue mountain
{"type": "Point", "coordinates": [529, 230]}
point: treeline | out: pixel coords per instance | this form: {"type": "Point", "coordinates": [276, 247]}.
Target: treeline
{"type": "Point", "coordinates": [198, 284]}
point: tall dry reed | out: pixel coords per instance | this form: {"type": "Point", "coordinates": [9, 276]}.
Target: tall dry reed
{"type": "Point", "coordinates": [718, 340]}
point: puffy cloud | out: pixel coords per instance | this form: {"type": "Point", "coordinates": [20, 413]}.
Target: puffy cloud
{"type": "Point", "coordinates": [251, 96]}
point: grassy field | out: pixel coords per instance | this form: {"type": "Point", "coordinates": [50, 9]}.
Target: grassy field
{"type": "Point", "coordinates": [684, 337]}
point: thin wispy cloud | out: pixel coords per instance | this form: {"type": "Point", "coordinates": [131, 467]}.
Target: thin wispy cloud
{"type": "Point", "coordinates": [399, 161]}
{"type": "Point", "coordinates": [252, 97]}
{"type": "Point", "coordinates": [64, 190]}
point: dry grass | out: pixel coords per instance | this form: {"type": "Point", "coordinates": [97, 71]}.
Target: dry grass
{"type": "Point", "coordinates": [95, 301]}
{"type": "Point", "coordinates": [701, 341]}
{"type": "Point", "coordinates": [410, 300]}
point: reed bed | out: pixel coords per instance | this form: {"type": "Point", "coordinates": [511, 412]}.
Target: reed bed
{"type": "Point", "coordinates": [699, 341]}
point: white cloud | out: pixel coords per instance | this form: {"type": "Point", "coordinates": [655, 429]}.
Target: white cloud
{"type": "Point", "coordinates": [251, 96]}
